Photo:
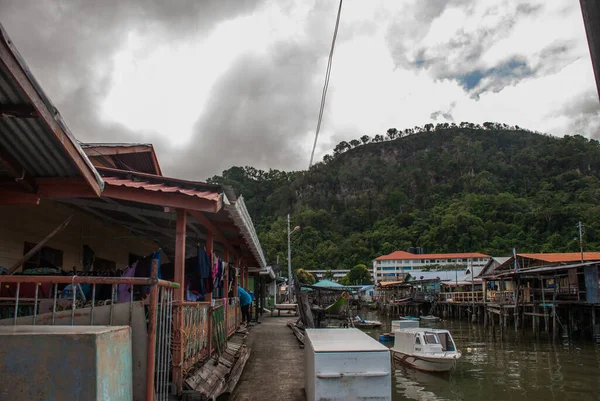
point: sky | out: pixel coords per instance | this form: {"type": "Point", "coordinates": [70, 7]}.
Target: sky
{"type": "Point", "coordinates": [218, 83]}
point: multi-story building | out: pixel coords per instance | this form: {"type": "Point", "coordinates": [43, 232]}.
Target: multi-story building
{"type": "Point", "coordinates": [390, 267]}
{"type": "Point", "coordinates": [337, 274]}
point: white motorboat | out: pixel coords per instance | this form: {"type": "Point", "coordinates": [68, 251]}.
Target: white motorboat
{"type": "Point", "coordinates": [430, 318]}
{"type": "Point", "coordinates": [431, 350]}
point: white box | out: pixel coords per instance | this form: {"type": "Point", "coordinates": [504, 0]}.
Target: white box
{"type": "Point", "coordinates": [346, 364]}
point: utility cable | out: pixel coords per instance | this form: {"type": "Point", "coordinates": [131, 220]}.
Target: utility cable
{"type": "Point", "coordinates": [326, 85]}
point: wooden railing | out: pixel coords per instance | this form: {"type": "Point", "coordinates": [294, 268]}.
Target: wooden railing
{"type": "Point", "coordinates": [232, 313]}
{"type": "Point", "coordinates": [461, 297]}
{"type": "Point", "coordinates": [205, 328]}
{"type": "Point", "coordinates": [501, 296]}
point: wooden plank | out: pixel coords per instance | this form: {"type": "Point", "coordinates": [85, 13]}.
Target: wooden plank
{"type": "Point", "coordinates": [39, 246]}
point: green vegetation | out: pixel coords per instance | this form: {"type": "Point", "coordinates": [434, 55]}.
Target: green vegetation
{"type": "Point", "coordinates": [446, 188]}
{"type": "Point", "coordinates": [358, 275]}
{"type": "Point", "coordinates": [305, 277]}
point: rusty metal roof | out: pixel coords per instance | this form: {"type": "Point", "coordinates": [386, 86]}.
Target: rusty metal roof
{"type": "Point", "coordinates": [156, 183]}
{"type": "Point", "coordinates": [403, 255]}
{"type": "Point", "coordinates": [139, 157]}
{"type": "Point", "coordinates": [26, 134]}
{"type": "Point", "coordinates": [562, 257]}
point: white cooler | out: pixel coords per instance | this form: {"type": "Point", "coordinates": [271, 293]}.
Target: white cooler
{"type": "Point", "coordinates": [346, 364]}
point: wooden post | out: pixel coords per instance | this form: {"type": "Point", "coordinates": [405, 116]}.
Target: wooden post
{"type": "Point", "coordinates": [594, 332]}
{"type": "Point", "coordinates": [211, 256]}
{"type": "Point", "coordinates": [516, 312]}
{"type": "Point", "coordinates": [554, 317]}
{"type": "Point", "coordinates": [179, 277]}
{"type": "Point", "coordinates": [226, 275]}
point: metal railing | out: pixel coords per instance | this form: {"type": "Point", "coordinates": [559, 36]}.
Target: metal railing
{"type": "Point", "coordinates": [144, 304]}
{"type": "Point", "coordinates": [195, 337]}
{"type": "Point", "coordinates": [461, 297]}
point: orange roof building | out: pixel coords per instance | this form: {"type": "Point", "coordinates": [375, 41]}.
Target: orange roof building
{"type": "Point", "coordinates": [390, 267]}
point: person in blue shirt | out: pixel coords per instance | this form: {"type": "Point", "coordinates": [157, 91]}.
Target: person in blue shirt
{"type": "Point", "coordinates": [245, 301]}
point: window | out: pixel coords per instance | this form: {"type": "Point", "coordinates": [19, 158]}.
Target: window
{"type": "Point", "coordinates": [417, 339]}
{"type": "Point", "coordinates": [104, 265]}
{"type": "Point", "coordinates": [431, 338]}
{"type": "Point", "coordinates": [45, 257]}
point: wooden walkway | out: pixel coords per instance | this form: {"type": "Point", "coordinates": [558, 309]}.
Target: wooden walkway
{"type": "Point", "coordinates": [275, 370]}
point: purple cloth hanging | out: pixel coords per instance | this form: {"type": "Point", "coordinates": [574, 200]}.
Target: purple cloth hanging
{"type": "Point", "coordinates": [125, 289]}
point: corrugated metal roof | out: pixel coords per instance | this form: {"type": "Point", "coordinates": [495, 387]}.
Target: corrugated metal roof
{"type": "Point", "coordinates": [165, 187]}
{"type": "Point", "coordinates": [241, 217]}
{"type": "Point", "coordinates": [561, 257]}
{"type": "Point", "coordinates": [403, 255]}
{"type": "Point", "coordinates": [30, 140]}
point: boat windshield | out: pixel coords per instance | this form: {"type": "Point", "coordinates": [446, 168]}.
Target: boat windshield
{"type": "Point", "coordinates": [446, 341]}
{"type": "Point", "coordinates": [431, 338]}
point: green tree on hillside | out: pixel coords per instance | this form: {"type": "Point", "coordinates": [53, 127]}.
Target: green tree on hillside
{"type": "Point", "coordinates": [358, 275]}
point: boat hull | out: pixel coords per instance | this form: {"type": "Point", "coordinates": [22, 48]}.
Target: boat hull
{"type": "Point", "coordinates": [427, 364]}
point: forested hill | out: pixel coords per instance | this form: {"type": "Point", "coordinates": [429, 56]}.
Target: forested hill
{"type": "Point", "coordinates": [446, 189]}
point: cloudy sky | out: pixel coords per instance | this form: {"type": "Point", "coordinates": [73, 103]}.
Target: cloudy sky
{"type": "Point", "coordinates": [217, 83]}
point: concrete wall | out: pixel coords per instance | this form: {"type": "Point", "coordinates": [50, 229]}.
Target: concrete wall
{"type": "Point", "coordinates": [20, 224]}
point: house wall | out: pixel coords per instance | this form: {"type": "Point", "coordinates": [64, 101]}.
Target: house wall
{"type": "Point", "coordinates": [20, 224]}
{"type": "Point", "coordinates": [390, 270]}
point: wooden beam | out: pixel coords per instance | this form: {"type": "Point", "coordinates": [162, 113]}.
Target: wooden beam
{"type": "Point", "coordinates": [117, 207]}
{"type": "Point", "coordinates": [50, 118]}
{"type": "Point", "coordinates": [17, 111]}
{"type": "Point", "coordinates": [100, 150]}
{"type": "Point", "coordinates": [64, 188]}
{"type": "Point", "coordinates": [225, 224]}
{"type": "Point", "coordinates": [178, 323]}
{"type": "Point", "coordinates": [15, 197]}
{"type": "Point", "coordinates": [215, 231]}
{"type": "Point", "coordinates": [38, 246]}
{"type": "Point", "coordinates": [75, 188]}
{"type": "Point", "coordinates": [178, 201]}
{"type": "Point", "coordinates": [131, 213]}
{"type": "Point", "coordinates": [14, 168]}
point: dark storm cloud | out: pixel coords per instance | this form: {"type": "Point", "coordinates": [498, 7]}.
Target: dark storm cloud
{"type": "Point", "coordinates": [258, 111]}
{"type": "Point", "coordinates": [70, 45]}
{"type": "Point", "coordinates": [263, 109]}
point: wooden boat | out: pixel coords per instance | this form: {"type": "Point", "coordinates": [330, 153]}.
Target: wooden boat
{"type": "Point", "coordinates": [430, 318]}
{"type": "Point", "coordinates": [367, 323]}
{"type": "Point", "coordinates": [430, 350]}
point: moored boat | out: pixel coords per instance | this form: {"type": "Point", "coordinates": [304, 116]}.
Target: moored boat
{"type": "Point", "coordinates": [430, 318]}
{"type": "Point", "coordinates": [358, 322]}
{"type": "Point", "coordinates": [431, 350]}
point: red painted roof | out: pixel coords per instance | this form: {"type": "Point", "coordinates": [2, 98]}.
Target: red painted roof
{"type": "Point", "coordinates": [403, 255]}
{"type": "Point", "coordinates": [562, 257]}
{"type": "Point", "coordinates": [146, 185]}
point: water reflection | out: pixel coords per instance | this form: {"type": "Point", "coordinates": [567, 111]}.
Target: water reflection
{"type": "Point", "coordinates": [518, 368]}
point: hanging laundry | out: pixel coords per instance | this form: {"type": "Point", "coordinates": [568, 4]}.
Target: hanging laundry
{"type": "Point", "coordinates": [125, 289]}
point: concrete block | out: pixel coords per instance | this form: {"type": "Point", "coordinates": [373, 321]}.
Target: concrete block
{"type": "Point", "coordinates": [52, 363]}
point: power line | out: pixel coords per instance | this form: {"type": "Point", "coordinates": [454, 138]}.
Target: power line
{"type": "Point", "coordinates": [326, 85]}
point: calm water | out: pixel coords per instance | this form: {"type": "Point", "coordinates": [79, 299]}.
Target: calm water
{"type": "Point", "coordinates": [513, 369]}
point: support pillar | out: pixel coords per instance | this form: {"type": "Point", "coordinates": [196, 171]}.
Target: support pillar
{"type": "Point", "coordinates": [210, 247]}
{"type": "Point", "coordinates": [179, 277]}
